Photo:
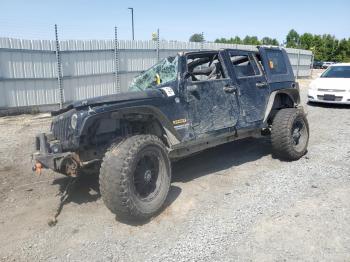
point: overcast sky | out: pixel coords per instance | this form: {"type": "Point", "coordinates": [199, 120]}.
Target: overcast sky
{"type": "Point", "coordinates": [177, 20]}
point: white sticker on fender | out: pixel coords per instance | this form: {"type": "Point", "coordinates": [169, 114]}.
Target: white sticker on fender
{"type": "Point", "coordinates": [168, 91]}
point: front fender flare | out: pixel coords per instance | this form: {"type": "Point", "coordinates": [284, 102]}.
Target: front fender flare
{"type": "Point", "coordinates": [173, 136]}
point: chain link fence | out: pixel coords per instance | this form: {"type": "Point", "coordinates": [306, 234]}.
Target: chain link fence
{"type": "Point", "coordinates": [54, 72]}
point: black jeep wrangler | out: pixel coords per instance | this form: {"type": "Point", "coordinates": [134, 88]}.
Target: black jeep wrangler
{"type": "Point", "coordinates": [180, 106]}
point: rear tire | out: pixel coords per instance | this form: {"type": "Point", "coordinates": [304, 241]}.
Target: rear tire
{"type": "Point", "coordinates": [135, 177]}
{"type": "Point", "coordinates": [290, 134]}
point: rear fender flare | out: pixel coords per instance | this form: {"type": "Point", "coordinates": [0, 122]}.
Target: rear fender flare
{"type": "Point", "coordinates": [292, 93]}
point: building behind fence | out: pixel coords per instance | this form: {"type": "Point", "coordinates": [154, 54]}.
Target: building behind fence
{"type": "Point", "coordinates": [29, 68]}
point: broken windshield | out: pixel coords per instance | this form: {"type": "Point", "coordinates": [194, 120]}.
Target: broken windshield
{"type": "Point", "coordinates": [162, 72]}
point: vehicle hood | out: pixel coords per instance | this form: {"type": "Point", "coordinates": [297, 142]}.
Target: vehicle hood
{"type": "Point", "coordinates": [121, 97]}
{"type": "Point", "coordinates": [331, 83]}
{"type": "Point", "coordinates": [111, 99]}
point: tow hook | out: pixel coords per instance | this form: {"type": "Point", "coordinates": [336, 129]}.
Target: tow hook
{"type": "Point", "coordinates": [37, 168]}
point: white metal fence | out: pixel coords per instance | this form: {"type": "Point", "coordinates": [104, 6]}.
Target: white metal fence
{"type": "Point", "coordinates": [28, 68]}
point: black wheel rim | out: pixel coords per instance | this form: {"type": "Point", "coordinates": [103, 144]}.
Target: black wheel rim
{"type": "Point", "coordinates": [146, 175]}
{"type": "Point", "coordinates": [299, 135]}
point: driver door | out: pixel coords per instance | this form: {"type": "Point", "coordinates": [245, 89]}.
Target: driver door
{"type": "Point", "coordinates": [212, 103]}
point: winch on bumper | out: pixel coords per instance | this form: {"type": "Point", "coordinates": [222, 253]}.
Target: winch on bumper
{"type": "Point", "coordinates": [49, 155]}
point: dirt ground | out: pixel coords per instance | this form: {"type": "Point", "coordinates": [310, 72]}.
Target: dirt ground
{"type": "Point", "coordinates": [233, 202]}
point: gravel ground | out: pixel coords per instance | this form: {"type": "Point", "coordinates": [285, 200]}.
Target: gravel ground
{"type": "Point", "coordinates": [233, 202]}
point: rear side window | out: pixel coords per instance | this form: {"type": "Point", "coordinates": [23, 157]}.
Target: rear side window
{"type": "Point", "coordinates": [276, 62]}
{"type": "Point", "coordinates": [244, 65]}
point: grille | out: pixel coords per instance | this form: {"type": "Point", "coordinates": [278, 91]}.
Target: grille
{"type": "Point", "coordinates": [60, 127]}
{"type": "Point", "coordinates": [336, 98]}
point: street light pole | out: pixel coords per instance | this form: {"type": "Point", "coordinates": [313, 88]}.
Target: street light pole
{"type": "Point", "coordinates": [132, 21]}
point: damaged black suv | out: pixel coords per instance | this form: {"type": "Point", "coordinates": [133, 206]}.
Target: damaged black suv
{"type": "Point", "coordinates": [180, 106]}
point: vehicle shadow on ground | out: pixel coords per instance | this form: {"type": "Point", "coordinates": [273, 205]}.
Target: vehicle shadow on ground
{"type": "Point", "coordinates": [210, 161]}
{"type": "Point", "coordinates": [220, 158]}
{"type": "Point", "coordinates": [86, 188]}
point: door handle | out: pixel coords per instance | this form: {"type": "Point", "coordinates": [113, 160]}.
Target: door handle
{"type": "Point", "coordinates": [230, 89]}
{"type": "Point", "coordinates": [261, 84]}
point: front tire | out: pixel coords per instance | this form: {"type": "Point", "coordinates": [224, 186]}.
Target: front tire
{"type": "Point", "coordinates": [290, 134]}
{"type": "Point", "coordinates": [135, 177]}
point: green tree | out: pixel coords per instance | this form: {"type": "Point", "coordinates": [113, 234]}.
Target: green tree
{"type": "Point", "coordinates": [325, 47]}
{"type": "Point", "coordinates": [342, 52]}
{"type": "Point", "coordinates": [235, 40]}
{"type": "Point", "coordinates": [248, 40]}
{"type": "Point", "coordinates": [316, 47]}
{"type": "Point", "coordinates": [292, 39]}
{"type": "Point", "coordinates": [328, 47]}
{"type": "Point", "coordinates": [220, 40]}
{"type": "Point", "coordinates": [306, 41]}
{"type": "Point", "coordinates": [251, 40]}
{"type": "Point", "coordinates": [197, 38]}
{"type": "Point", "coordinates": [269, 41]}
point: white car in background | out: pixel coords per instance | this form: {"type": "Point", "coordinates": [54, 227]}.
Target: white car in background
{"type": "Point", "coordinates": [333, 86]}
{"type": "Point", "coordinates": [325, 65]}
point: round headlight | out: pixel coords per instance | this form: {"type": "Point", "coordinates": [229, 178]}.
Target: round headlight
{"type": "Point", "coordinates": [73, 121]}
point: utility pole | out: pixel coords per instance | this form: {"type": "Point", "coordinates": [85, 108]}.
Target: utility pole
{"type": "Point", "coordinates": [132, 21]}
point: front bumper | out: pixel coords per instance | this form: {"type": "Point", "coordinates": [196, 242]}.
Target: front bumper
{"type": "Point", "coordinates": [314, 95]}
{"type": "Point", "coordinates": [48, 156]}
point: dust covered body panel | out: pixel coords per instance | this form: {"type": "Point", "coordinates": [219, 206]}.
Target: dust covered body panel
{"type": "Point", "coordinates": [191, 102]}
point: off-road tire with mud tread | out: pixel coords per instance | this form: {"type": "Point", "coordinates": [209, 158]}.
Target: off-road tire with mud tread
{"type": "Point", "coordinates": [281, 138]}
{"type": "Point", "coordinates": [116, 178]}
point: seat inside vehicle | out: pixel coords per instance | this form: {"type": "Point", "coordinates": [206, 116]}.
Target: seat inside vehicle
{"type": "Point", "coordinates": [203, 67]}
